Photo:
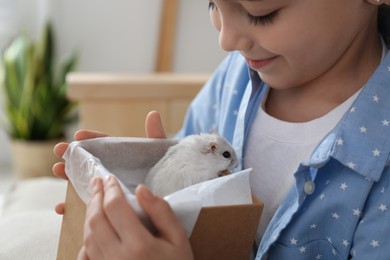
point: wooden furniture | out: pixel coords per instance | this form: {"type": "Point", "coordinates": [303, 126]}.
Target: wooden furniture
{"type": "Point", "coordinates": [117, 104]}
{"type": "Point", "coordinates": [167, 36]}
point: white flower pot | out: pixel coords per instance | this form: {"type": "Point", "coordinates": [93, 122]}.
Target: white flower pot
{"type": "Point", "coordinates": [33, 158]}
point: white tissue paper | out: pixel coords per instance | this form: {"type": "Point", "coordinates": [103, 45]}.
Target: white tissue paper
{"type": "Point", "coordinates": [129, 159]}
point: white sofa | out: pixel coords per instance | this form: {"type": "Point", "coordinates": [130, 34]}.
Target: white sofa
{"type": "Point", "coordinates": [29, 226]}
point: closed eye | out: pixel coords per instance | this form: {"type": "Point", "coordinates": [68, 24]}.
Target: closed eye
{"type": "Point", "coordinates": [263, 19]}
{"type": "Point", "coordinates": [212, 6]}
{"type": "Point", "coordinates": [255, 20]}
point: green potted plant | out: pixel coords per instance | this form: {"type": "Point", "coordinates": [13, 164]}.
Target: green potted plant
{"type": "Point", "coordinates": [36, 107]}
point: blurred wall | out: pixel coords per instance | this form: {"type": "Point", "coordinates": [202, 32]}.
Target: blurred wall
{"type": "Point", "coordinates": [121, 35]}
{"type": "Point", "coordinates": [113, 36]}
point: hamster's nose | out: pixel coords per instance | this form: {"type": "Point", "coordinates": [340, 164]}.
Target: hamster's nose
{"type": "Point", "coordinates": [224, 173]}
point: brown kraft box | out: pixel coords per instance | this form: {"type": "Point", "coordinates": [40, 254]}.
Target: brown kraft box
{"type": "Point", "coordinates": [221, 232]}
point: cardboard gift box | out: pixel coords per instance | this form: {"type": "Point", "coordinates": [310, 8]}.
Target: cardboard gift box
{"type": "Point", "coordinates": [220, 232]}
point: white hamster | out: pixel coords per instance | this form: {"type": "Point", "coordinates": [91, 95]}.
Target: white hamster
{"type": "Point", "coordinates": [194, 159]}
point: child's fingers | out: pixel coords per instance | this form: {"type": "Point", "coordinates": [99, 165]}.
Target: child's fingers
{"type": "Point", "coordinates": [88, 134]}
{"type": "Point", "coordinates": [60, 208]}
{"type": "Point", "coordinates": [134, 239]}
{"type": "Point", "coordinates": [153, 125]}
{"type": "Point", "coordinates": [162, 216]}
{"type": "Point", "coordinates": [121, 215]}
{"type": "Point", "coordinates": [59, 149]}
{"type": "Point", "coordinates": [82, 255]}
{"type": "Point", "coordinates": [99, 236]}
{"type": "Point", "coordinates": [59, 170]}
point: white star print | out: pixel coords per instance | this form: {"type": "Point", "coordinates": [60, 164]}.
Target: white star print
{"type": "Point", "coordinates": [343, 186]}
{"type": "Point", "coordinates": [322, 196]}
{"type": "Point", "coordinates": [385, 122]}
{"type": "Point", "coordinates": [293, 241]}
{"type": "Point", "coordinates": [382, 207]}
{"type": "Point", "coordinates": [363, 129]}
{"type": "Point", "coordinates": [235, 91]}
{"type": "Point", "coordinates": [351, 165]}
{"type": "Point", "coordinates": [313, 226]}
{"type": "Point", "coordinates": [357, 212]}
{"type": "Point", "coordinates": [318, 256]}
{"type": "Point", "coordinates": [388, 69]}
{"type": "Point", "coordinates": [376, 153]}
{"type": "Point", "coordinates": [375, 98]}
{"type": "Point", "coordinates": [335, 215]}
{"type": "Point", "coordinates": [330, 240]}
{"type": "Point", "coordinates": [353, 109]}
{"type": "Point", "coordinates": [374, 243]}
{"type": "Point", "coordinates": [345, 242]}
{"type": "Point", "coordinates": [383, 190]}
{"type": "Point", "coordinates": [340, 141]}
{"type": "Point", "coordinates": [302, 249]}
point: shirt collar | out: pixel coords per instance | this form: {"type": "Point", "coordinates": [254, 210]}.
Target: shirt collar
{"type": "Point", "coordinates": [361, 140]}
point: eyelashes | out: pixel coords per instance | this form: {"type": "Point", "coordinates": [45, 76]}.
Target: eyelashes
{"type": "Point", "coordinates": [262, 20]}
{"type": "Point", "coordinates": [212, 6]}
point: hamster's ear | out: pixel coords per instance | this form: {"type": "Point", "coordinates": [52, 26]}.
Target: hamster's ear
{"type": "Point", "coordinates": [213, 131]}
{"type": "Point", "coordinates": [211, 147]}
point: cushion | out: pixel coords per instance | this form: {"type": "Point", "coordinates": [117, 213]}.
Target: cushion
{"type": "Point", "coordinates": [27, 195]}
{"type": "Point", "coordinates": [30, 235]}
{"type": "Point", "coordinates": [30, 228]}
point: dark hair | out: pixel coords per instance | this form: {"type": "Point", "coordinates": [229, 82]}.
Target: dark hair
{"type": "Point", "coordinates": [384, 22]}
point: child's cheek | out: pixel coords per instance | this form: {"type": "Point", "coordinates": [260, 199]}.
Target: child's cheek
{"type": "Point", "coordinates": [215, 20]}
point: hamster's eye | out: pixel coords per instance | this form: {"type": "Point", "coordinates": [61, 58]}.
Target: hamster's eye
{"type": "Point", "coordinates": [226, 154]}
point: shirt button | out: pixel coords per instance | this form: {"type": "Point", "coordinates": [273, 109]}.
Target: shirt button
{"type": "Point", "coordinates": [319, 165]}
{"type": "Point", "coordinates": [309, 187]}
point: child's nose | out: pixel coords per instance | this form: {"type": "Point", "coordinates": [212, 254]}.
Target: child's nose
{"type": "Point", "coordinates": [233, 37]}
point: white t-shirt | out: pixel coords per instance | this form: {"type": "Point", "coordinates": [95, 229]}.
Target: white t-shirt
{"type": "Point", "coordinates": [274, 150]}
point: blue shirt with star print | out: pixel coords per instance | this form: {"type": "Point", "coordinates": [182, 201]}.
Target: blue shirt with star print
{"type": "Point", "coordinates": [339, 205]}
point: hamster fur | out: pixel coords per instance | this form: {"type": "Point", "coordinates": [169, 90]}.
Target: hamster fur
{"type": "Point", "coordinates": [194, 159]}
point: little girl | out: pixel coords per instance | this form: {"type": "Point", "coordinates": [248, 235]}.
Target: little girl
{"type": "Point", "coordinates": [304, 99]}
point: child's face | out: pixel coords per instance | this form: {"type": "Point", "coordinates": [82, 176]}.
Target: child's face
{"type": "Point", "coordinates": [292, 42]}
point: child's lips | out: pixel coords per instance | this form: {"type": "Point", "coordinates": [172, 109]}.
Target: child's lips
{"type": "Point", "coordinates": [258, 64]}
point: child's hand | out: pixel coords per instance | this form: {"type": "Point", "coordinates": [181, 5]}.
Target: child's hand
{"type": "Point", "coordinates": [113, 230]}
{"type": "Point", "coordinates": [60, 148]}
{"type": "Point", "coordinates": [153, 125]}
{"type": "Point", "coordinates": [153, 128]}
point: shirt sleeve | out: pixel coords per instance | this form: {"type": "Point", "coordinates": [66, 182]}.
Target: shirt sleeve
{"type": "Point", "coordinates": [210, 108]}
{"type": "Point", "coordinates": [201, 116]}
